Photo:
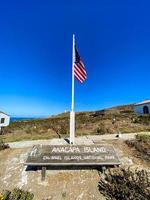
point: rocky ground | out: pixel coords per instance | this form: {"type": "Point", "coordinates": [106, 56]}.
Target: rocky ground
{"type": "Point", "coordinates": [60, 183]}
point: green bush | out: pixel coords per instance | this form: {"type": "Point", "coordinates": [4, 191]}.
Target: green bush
{"type": "Point", "coordinates": [143, 137]}
{"type": "Point", "coordinates": [125, 184]}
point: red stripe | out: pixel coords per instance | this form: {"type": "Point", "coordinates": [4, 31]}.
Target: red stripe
{"type": "Point", "coordinates": [81, 67]}
{"type": "Point", "coordinates": [81, 81]}
{"type": "Point", "coordinates": [82, 64]}
{"type": "Point", "coordinates": [80, 71]}
{"type": "Point", "coordinates": [78, 79]}
{"type": "Point", "coordinates": [78, 76]}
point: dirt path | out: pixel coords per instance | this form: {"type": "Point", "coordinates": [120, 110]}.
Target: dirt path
{"type": "Point", "coordinates": [78, 140]}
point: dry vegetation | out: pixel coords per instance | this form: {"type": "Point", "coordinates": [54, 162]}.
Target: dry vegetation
{"type": "Point", "coordinates": [16, 194]}
{"type": "Point", "coordinates": [87, 123]}
{"type": "Point", "coordinates": [3, 145]}
{"type": "Point", "coordinates": [142, 145]}
{"type": "Point", "coordinates": [125, 184]}
{"type": "Point", "coordinates": [129, 184]}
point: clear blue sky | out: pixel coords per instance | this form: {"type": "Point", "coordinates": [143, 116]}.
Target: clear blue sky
{"type": "Point", "coordinates": [113, 39]}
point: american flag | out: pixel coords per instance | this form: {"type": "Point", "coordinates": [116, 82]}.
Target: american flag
{"type": "Point", "coordinates": [79, 68]}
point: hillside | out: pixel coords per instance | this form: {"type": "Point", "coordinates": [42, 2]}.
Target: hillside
{"type": "Point", "coordinates": [87, 123]}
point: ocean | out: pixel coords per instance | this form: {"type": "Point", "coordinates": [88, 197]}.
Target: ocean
{"type": "Point", "coordinates": [14, 119]}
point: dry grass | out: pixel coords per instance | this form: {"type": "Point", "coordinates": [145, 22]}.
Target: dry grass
{"type": "Point", "coordinates": [14, 137]}
{"type": "Point", "coordinates": [142, 145]}
{"type": "Point", "coordinates": [87, 123]}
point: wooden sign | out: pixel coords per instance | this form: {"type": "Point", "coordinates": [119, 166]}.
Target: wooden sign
{"type": "Point", "coordinates": [70, 155]}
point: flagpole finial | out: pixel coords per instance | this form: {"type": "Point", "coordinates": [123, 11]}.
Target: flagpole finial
{"type": "Point", "coordinates": [73, 39]}
{"type": "Point", "coordinates": [73, 36]}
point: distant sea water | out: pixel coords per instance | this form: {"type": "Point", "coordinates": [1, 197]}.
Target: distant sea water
{"type": "Point", "coordinates": [14, 119]}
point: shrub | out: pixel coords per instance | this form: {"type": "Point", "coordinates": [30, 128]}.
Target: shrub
{"type": "Point", "coordinates": [142, 119]}
{"type": "Point", "coordinates": [3, 145]}
{"type": "Point", "coordinates": [125, 184]}
{"type": "Point", "coordinates": [142, 145]}
{"type": "Point", "coordinates": [16, 194]}
{"type": "Point", "coordinates": [102, 129]}
{"type": "Point", "coordinates": [143, 137]}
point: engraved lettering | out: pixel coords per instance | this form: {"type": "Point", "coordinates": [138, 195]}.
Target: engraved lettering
{"type": "Point", "coordinates": [66, 149]}
{"type": "Point", "coordinates": [95, 150]}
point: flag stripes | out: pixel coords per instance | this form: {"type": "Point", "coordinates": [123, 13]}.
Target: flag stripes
{"type": "Point", "coordinates": [79, 68]}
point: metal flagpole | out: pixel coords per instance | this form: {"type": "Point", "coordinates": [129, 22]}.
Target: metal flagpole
{"type": "Point", "coordinates": [72, 113]}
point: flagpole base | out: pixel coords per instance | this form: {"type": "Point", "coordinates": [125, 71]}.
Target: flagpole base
{"type": "Point", "coordinates": [72, 127]}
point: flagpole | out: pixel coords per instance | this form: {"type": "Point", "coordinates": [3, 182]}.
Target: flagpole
{"type": "Point", "coordinates": [72, 113]}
